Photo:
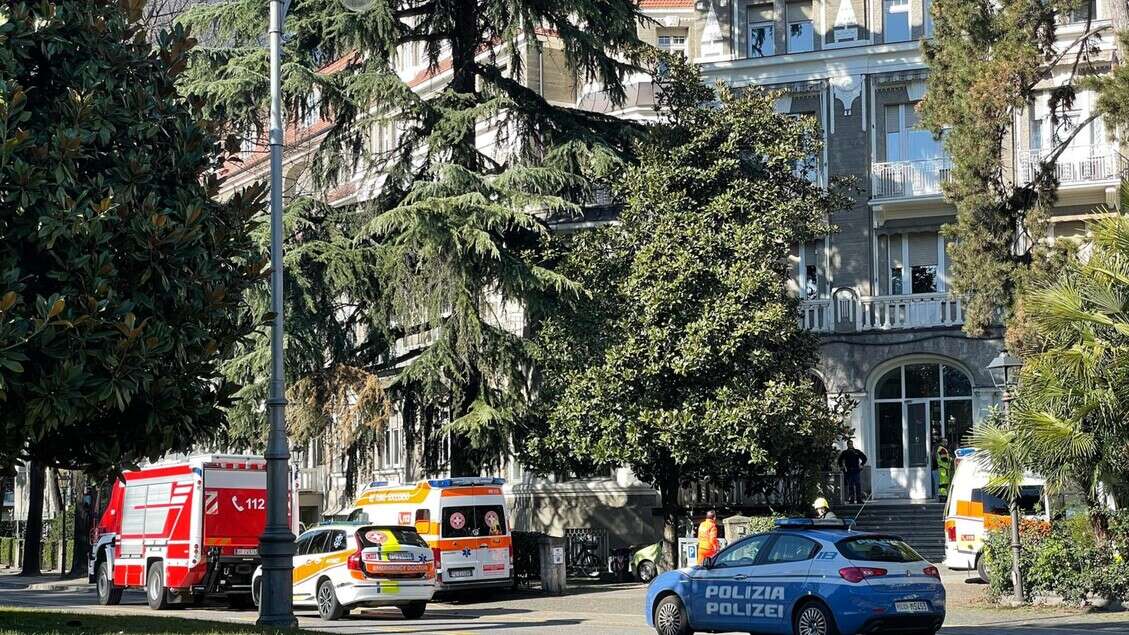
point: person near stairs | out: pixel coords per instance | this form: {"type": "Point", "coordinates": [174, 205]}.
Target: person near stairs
{"type": "Point", "coordinates": [851, 461]}
{"type": "Point", "coordinates": [707, 537]}
{"type": "Point", "coordinates": [823, 509]}
{"type": "Point", "coordinates": [942, 470]}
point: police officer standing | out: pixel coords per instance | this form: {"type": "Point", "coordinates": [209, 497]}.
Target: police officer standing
{"type": "Point", "coordinates": [851, 462]}
{"type": "Point", "coordinates": [707, 537]}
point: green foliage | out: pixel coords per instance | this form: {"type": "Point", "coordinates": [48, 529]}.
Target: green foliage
{"type": "Point", "coordinates": [454, 230]}
{"type": "Point", "coordinates": [121, 278]}
{"type": "Point", "coordinates": [988, 59]}
{"type": "Point", "coordinates": [686, 361]}
{"type": "Point", "coordinates": [1074, 390]}
{"type": "Point", "coordinates": [1063, 558]}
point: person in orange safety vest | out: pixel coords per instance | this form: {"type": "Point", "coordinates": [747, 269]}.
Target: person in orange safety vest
{"type": "Point", "coordinates": [707, 537]}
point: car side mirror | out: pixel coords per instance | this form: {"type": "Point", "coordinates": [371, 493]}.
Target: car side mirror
{"type": "Point", "coordinates": [708, 562]}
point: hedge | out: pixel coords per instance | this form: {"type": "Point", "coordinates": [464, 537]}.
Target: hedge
{"type": "Point", "coordinates": [10, 554]}
{"type": "Point", "coordinates": [1064, 559]}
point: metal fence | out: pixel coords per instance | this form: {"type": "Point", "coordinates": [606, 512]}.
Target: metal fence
{"type": "Point", "coordinates": [583, 541]}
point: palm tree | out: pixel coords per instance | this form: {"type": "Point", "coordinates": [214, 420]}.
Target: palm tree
{"type": "Point", "coordinates": [1074, 389]}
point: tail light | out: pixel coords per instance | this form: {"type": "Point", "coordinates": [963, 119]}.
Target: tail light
{"type": "Point", "coordinates": [951, 531]}
{"type": "Point", "coordinates": [438, 557]}
{"type": "Point", "coordinates": [932, 572]}
{"type": "Point", "coordinates": [858, 574]}
{"type": "Point", "coordinates": [511, 551]}
{"type": "Point", "coordinates": [354, 561]}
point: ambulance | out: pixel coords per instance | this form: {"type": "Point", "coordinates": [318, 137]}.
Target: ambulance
{"type": "Point", "coordinates": [463, 520]}
{"type": "Point", "coordinates": [182, 530]}
{"type": "Point", "coordinates": [973, 509]}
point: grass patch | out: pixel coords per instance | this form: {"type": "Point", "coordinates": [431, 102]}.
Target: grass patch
{"type": "Point", "coordinates": [25, 622]}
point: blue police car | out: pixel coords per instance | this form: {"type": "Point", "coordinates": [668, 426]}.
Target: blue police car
{"type": "Point", "coordinates": [806, 577]}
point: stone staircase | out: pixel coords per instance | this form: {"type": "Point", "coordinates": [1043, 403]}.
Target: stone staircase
{"type": "Point", "coordinates": [922, 525]}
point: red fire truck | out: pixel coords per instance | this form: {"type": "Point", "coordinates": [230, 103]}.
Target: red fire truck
{"type": "Point", "coordinates": [183, 530]}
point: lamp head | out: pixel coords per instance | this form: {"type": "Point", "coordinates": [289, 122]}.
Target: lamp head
{"type": "Point", "coordinates": [1004, 370]}
{"type": "Point", "coordinates": [358, 6]}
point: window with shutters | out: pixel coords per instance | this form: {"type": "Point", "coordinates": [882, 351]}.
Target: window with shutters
{"type": "Point", "coordinates": [810, 267]}
{"type": "Point", "coordinates": [895, 21]}
{"type": "Point", "coordinates": [801, 29]}
{"type": "Point", "coordinates": [673, 40]}
{"type": "Point", "coordinates": [906, 139]}
{"type": "Point", "coordinates": [762, 31]}
{"type": "Point", "coordinates": [910, 263]}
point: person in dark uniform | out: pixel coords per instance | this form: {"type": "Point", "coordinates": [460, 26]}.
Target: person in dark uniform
{"type": "Point", "coordinates": [851, 461]}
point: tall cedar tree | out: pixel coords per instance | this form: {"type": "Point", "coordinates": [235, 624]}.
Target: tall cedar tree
{"type": "Point", "coordinates": [688, 363]}
{"type": "Point", "coordinates": [456, 227]}
{"type": "Point", "coordinates": [988, 60]}
{"type": "Point", "coordinates": [121, 277]}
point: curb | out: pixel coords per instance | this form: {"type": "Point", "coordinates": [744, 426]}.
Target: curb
{"type": "Point", "coordinates": [64, 586]}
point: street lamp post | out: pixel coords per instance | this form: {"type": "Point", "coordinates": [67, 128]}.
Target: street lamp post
{"type": "Point", "coordinates": [276, 545]}
{"type": "Point", "coordinates": [1005, 375]}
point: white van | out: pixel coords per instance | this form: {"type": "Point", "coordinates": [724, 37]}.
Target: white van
{"type": "Point", "coordinates": [972, 510]}
{"type": "Point", "coordinates": [463, 520]}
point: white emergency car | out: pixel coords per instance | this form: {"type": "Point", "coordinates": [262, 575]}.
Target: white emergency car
{"type": "Point", "coordinates": [342, 566]}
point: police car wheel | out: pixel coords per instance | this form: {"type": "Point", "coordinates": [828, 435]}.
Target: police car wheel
{"type": "Point", "coordinates": [328, 607]}
{"type": "Point", "coordinates": [670, 617]}
{"type": "Point", "coordinates": [814, 619]}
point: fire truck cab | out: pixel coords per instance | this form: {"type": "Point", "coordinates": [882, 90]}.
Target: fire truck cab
{"type": "Point", "coordinates": [183, 530]}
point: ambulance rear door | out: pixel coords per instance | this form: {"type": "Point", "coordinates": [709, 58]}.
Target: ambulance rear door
{"type": "Point", "coordinates": [474, 539]}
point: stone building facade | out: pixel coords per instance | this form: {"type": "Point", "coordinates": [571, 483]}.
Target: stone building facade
{"type": "Point", "coordinates": [877, 290]}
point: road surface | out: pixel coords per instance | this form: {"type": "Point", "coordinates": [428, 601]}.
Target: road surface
{"type": "Point", "coordinates": [589, 610]}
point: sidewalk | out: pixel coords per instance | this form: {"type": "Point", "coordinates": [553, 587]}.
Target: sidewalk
{"type": "Point", "coordinates": [10, 580]}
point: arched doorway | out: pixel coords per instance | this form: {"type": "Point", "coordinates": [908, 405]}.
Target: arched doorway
{"type": "Point", "coordinates": [917, 405]}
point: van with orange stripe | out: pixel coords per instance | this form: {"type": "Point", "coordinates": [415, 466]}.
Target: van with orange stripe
{"type": "Point", "coordinates": [462, 519]}
{"type": "Point", "coordinates": [973, 509]}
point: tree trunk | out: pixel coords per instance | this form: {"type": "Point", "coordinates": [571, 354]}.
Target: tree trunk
{"type": "Point", "coordinates": [668, 491]}
{"type": "Point", "coordinates": [83, 518]}
{"type": "Point", "coordinates": [33, 530]}
{"type": "Point", "coordinates": [464, 46]}
{"type": "Point", "coordinates": [466, 460]}
{"type": "Point", "coordinates": [59, 517]}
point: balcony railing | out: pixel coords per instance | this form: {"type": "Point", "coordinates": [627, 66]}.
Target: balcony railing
{"type": "Point", "coordinates": [1084, 164]}
{"type": "Point", "coordinates": [312, 479]}
{"type": "Point", "coordinates": [847, 312]}
{"type": "Point", "coordinates": [910, 311]}
{"type": "Point", "coordinates": [907, 179]}
{"type": "Point", "coordinates": [816, 315]}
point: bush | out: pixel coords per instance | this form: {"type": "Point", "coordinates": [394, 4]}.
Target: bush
{"type": "Point", "coordinates": [761, 524]}
{"type": "Point", "coordinates": [1064, 559]}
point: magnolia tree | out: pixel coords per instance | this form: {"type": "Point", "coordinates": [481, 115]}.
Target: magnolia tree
{"type": "Point", "coordinates": [121, 277]}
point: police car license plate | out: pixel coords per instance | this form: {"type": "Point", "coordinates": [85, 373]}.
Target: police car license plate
{"type": "Point", "coordinates": [912, 607]}
{"type": "Point", "coordinates": [460, 573]}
